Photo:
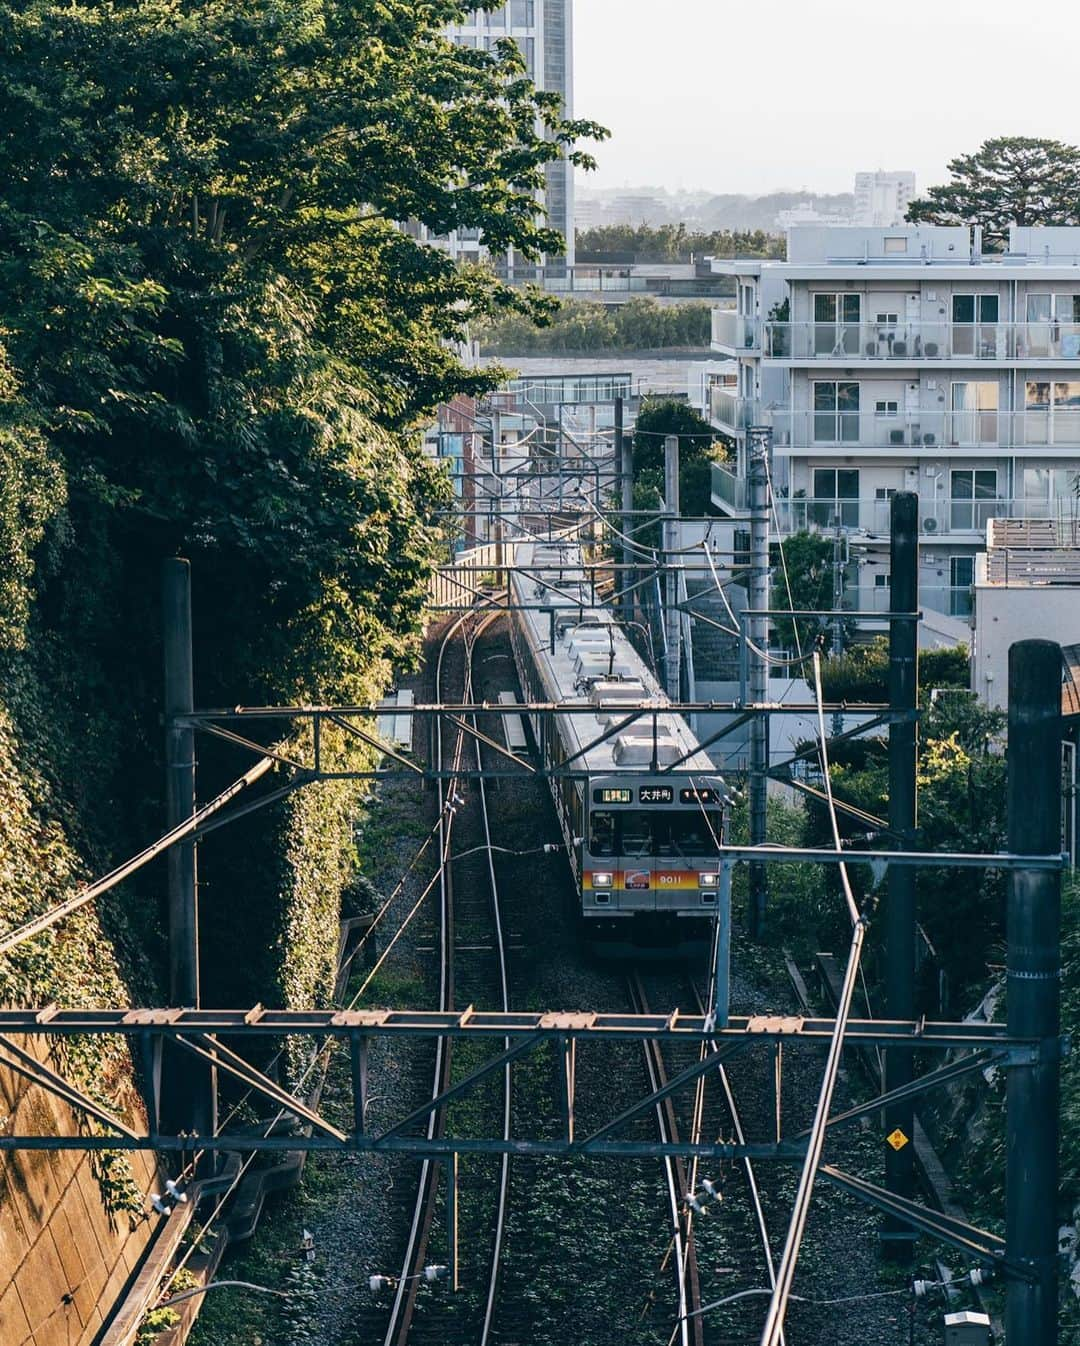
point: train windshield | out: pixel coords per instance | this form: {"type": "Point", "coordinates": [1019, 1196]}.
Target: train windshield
{"type": "Point", "coordinates": [637, 833]}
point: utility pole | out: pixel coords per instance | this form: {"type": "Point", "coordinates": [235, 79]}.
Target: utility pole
{"type": "Point", "coordinates": [188, 1093]}
{"type": "Point", "coordinates": [837, 603]}
{"type": "Point", "coordinates": [496, 467]}
{"type": "Point", "coordinates": [672, 615]}
{"type": "Point", "coordinates": [759, 442]}
{"type": "Point", "coordinates": [624, 447]}
{"type": "Point", "coordinates": [1033, 991]}
{"type": "Point", "coordinates": [900, 908]}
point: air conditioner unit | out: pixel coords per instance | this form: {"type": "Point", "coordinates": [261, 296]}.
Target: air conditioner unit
{"type": "Point", "coordinates": [929, 525]}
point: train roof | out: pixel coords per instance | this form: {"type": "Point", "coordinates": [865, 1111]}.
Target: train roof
{"type": "Point", "coordinates": [594, 662]}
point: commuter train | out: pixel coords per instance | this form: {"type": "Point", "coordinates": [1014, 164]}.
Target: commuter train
{"type": "Point", "coordinates": [642, 842]}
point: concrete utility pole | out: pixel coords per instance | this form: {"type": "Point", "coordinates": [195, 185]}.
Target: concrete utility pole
{"type": "Point", "coordinates": [759, 447]}
{"type": "Point", "coordinates": [900, 907]}
{"type": "Point", "coordinates": [1033, 992]}
{"type": "Point", "coordinates": [672, 615]}
{"type": "Point", "coordinates": [188, 1093]}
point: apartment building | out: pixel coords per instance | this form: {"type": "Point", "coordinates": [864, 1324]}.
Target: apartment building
{"type": "Point", "coordinates": [543, 29]}
{"type": "Point", "coordinates": [882, 199]}
{"type": "Point", "coordinates": [907, 359]}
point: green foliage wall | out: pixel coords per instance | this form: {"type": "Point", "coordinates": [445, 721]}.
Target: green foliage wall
{"type": "Point", "coordinates": [218, 343]}
{"type": "Point", "coordinates": [638, 325]}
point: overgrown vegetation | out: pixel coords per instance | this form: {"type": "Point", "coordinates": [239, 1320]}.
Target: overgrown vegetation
{"type": "Point", "coordinates": [677, 243]}
{"type": "Point", "coordinates": [638, 325]}
{"type": "Point", "coordinates": [699, 448]}
{"type": "Point", "coordinates": [215, 342]}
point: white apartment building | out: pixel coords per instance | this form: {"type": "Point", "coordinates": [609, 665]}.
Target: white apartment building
{"type": "Point", "coordinates": [807, 213]}
{"type": "Point", "coordinates": [882, 199]}
{"type": "Point", "coordinates": [906, 359]}
{"type": "Point", "coordinates": [543, 29]}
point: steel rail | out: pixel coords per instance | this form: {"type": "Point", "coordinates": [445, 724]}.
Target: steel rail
{"type": "Point", "coordinates": [504, 994]}
{"type": "Point", "coordinates": [404, 1304]}
{"type": "Point", "coordinates": [689, 1284]}
{"type": "Point", "coordinates": [747, 1162]}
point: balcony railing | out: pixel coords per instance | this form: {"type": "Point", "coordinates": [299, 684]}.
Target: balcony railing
{"type": "Point", "coordinates": [731, 411]}
{"type": "Point", "coordinates": [904, 342]}
{"type": "Point", "coordinates": [950, 599]}
{"type": "Point", "coordinates": [937, 518]}
{"type": "Point", "coordinates": [731, 331]}
{"type": "Point", "coordinates": [728, 490]}
{"type": "Point", "coordinates": [937, 430]}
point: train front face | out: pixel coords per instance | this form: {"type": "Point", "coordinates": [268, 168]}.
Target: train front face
{"type": "Point", "coordinates": [650, 871]}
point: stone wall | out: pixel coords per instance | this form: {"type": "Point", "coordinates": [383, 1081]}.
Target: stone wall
{"type": "Point", "coordinates": [64, 1260]}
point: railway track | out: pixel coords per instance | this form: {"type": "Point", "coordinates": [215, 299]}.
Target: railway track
{"type": "Point", "coordinates": [469, 927]}
{"type": "Point", "coordinates": [678, 1185]}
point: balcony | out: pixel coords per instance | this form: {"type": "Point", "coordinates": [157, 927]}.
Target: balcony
{"type": "Point", "coordinates": [733, 333]}
{"type": "Point", "coordinates": [962, 519]}
{"type": "Point", "coordinates": [908, 342]}
{"type": "Point", "coordinates": [936, 431]}
{"type": "Point", "coordinates": [951, 599]}
{"type": "Point", "coordinates": [730, 411]}
{"type": "Point", "coordinates": [728, 490]}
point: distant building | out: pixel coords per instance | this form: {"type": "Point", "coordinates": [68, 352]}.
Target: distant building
{"type": "Point", "coordinates": [636, 208]}
{"type": "Point", "coordinates": [807, 213]}
{"type": "Point", "coordinates": [906, 358]}
{"type": "Point", "coordinates": [543, 29]}
{"type": "Point", "coordinates": [589, 214]}
{"type": "Point", "coordinates": [882, 199]}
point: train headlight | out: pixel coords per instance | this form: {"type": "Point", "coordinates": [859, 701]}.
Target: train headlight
{"type": "Point", "coordinates": [602, 880]}
{"type": "Point", "coordinates": [708, 880]}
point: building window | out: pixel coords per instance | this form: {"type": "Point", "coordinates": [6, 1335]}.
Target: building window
{"type": "Point", "coordinates": [961, 578]}
{"type": "Point", "coordinates": [975, 318]}
{"type": "Point", "coordinates": [974, 413]}
{"type": "Point", "coordinates": [887, 319]}
{"type": "Point", "coordinates": [836, 496]}
{"type": "Point", "coordinates": [881, 581]}
{"type": "Point", "coordinates": [836, 412]}
{"type": "Point", "coordinates": [884, 492]}
{"type": "Point", "coordinates": [836, 323]}
{"type": "Point", "coordinates": [883, 409]}
{"type": "Point", "coordinates": [1052, 413]}
{"type": "Point", "coordinates": [973, 498]}
{"type": "Point", "coordinates": [523, 13]}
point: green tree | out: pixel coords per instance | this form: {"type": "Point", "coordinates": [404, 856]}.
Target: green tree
{"type": "Point", "coordinates": [677, 243]}
{"type": "Point", "coordinates": [808, 558]}
{"type": "Point", "coordinates": [1007, 180]}
{"type": "Point", "coordinates": [221, 343]}
{"type": "Point", "coordinates": [699, 448]}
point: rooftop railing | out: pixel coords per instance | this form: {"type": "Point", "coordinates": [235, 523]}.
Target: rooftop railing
{"type": "Point", "coordinates": [887, 428]}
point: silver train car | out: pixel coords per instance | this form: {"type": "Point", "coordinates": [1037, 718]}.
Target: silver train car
{"type": "Point", "coordinates": [642, 843]}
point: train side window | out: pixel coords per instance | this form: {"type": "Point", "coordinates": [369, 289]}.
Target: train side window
{"type": "Point", "coordinates": [601, 834]}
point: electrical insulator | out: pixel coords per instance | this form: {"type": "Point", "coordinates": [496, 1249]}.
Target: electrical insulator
{"type": "Point", "coordinates": [923, 1288]}
{"type": "Point", "coordinates": [980, 1275]}
{"type": "Point", "coordinates": [162, 1206]}
{"type": "Point", "coordinates": [713, 1189]}
{"type": "Point", "coordinates": [436, 1273]}
{"type": "Point", "coordinates": [175, 1192]}
{"type": "Point", "coordinates": [378, 1283]}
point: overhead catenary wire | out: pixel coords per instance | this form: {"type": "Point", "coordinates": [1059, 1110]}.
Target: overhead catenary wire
{"type": "Point", "coordinates": [778, 1303]}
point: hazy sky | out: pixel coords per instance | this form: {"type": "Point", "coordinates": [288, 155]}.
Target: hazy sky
{"type": "Point", "coordinates": [750, 95]}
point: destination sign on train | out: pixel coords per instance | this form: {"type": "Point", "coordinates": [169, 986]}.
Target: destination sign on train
{"type": "Point", "coordinates": [612, 796]}
{"type": "Point", "coordinates": [656, 794]}
{"type": "Point", "coordinates": [698, 797]}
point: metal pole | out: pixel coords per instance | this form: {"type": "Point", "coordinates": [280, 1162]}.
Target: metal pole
{"type": "Point", "coordinates": [625, 448]}
{"type": "Point", "coordinates": [672, 616]}
{"type": "Point", "coordinates": [180, 782]}
{"type": "Point", "coordinates": [760, 450]}
{"type": "Point", "coordinates": [1033, 990]}
{"type": "Point", "coordinates": [900, 909]}
{"type": "Point", "coordinates": [188, 1086]}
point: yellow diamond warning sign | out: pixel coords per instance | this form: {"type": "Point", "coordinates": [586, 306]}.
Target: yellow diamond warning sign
{"type": "Point", "coordinates": [897, 1140]}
